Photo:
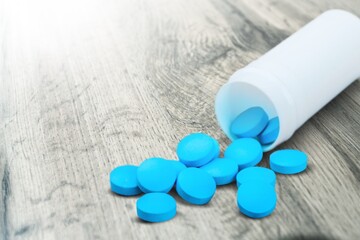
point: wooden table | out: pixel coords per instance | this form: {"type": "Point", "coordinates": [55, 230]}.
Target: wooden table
{"type": "Point", "coordinates": [89, 85]}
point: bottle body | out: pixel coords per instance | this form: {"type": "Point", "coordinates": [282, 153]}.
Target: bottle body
{"type": "Point", "coordinates": [298, 77]}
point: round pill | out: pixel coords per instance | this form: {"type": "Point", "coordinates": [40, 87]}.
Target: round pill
{"type": "Point", "coordinates": [288, 161]}
{"type": "Point", "coordinates": [195, 186]}
{"type": "Point", "coordinates": [223, 170]}
{"type": "Point", "coordinates": [155, 175]}
{"type": "Point", "coordinates": [179, 166]}
{"type": "Point", "coordinates": [196, 149]}
{"type": "Point", "coordinates": [216, 149]}
{"type": "Point", "coordinates": [271, 132]}
{"type": "Point", "coordinates": [247, 152]}
{"type": "Point", "coordinates": [249, 123]}
{"type": "Point", "coordinates": [253, 174]}
{"type": "Point", "coordinates": [256, 200]}
{"type": "Point", "coordinates": [156, 207]}
{"type": "Point", "coordinates": [123, 180]}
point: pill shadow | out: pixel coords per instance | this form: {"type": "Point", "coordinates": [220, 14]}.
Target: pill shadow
{"type": "Point", "coordinates": [231, 185]}
{"type": "Point", "coordinates": [181, 201]}
{"type": "Point", "coordinates": [140, 221]}
{"type": "Point", "coordinates": [247, 218]}
{"type": "Point", "coordinates": [123, 196]}
{"type": "Point", "coordinates": [308, 237]}
{"type": "Point", "coordinates": [308, 170]}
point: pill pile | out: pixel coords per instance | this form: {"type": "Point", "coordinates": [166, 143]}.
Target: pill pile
{"type": "Point", "coordinates": [200, 169]}
{"type": "Point", "coordinates": [255, 123]}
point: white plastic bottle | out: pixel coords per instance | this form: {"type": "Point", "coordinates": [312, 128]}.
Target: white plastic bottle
{"type": "Point", "coordinates": [298, 77]}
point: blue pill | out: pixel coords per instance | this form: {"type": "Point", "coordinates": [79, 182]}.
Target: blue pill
{"type": "Point", "coordinates": [196, 149]}
{"type": "Point", "coordinates": [249, 123]}
{"type": "Point", "coordinates": [271, 132]}
{"type": "Point", "coordinates": [247, 152]}
{"type": "Point", "coordinates": [216, 149]}
{"type": "Point", "coordinates": [254, 174]}
{"type": "Point", "coordinates": [123, 180]}
{"type": "Point", "coordinates": [256, 199]}
{"type": "Point", "coordinates": [223, 170]}
{"type": "Point", "coordinates": [156, 175]}
{"type": "Point", "coordinates": [195, 186]}
{"type": "Point", "coordinates": [288, 161]}
{"type": "Point", "coordinates": [177, 165]}
{"type": "Point", "coordinates": [156, 207]}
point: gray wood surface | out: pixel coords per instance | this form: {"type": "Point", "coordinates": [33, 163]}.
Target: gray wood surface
{"type": "Point", "coordinates": [89, 85]}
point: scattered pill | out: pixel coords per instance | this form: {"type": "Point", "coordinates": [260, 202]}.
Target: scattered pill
{"type": "Point", "coordinates": [156, 175]}
{"type": "Point", "coordinates": [199, 169]}
{"type": "Point", "coordinates": [195, 186]}
{"type": "Point", "coordinates": [156, 207]}
{"type": "Point", "coordinates": [253, 174]}
{"type": "Point", "coordinates": [247, 152]}
{"type": "Point", "coordinates": [271, 132]}
{"type": "Point", "coordinates": [123, 180]}
{"type": "Point", "coordinates": [256, 199]}
{"type": "Point", "coordinates": [216, 149]}
{"type": "Point", "coordinates": [288, 161]}
{"type": "Point", "coordinates": [223, 170]}
{"type": "Point", "coordinates": [249, 123]}
{"type": "Point", "coordinates": [196, 149]}
{"type": "Point", "coordinates": [179, 166]}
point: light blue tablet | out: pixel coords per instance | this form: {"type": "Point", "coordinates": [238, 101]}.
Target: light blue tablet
{"type": "Point", "coordinates": [288, 161]}
{"type": "Point", "coordinates": [249, 123]}
{"type": "Point", "coordinates": [196, 149]}
{"type": "Point", "coordinates": [256, 199]}
{"type": "Point", "coordinates": [156, 175]}
{"type": "Point", "coordinates": [247, 152]}
{"type": "Point", "coordinates": [195, 186]}
{"type": "Point", "coordinates": [254, 174]}
{"type": "Point", "coordinates": [123, 180]}
{"type": "Point", "coordinates": [177, 165]}
{"type": "Point", "coordinates": [216, 149]}
{"type": "Point", "coordinates": [223, 170]}
{"type": "Point", "coordinates": [270, 132]}
{"type": "Point", "coordinates": [156, 207]}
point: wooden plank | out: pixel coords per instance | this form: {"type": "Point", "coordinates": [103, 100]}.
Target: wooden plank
{"type": "Point", "coordinates": [90, 85]}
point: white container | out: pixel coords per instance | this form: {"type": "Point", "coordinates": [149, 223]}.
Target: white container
{"type": "Point", "coordinates": [298, 77]}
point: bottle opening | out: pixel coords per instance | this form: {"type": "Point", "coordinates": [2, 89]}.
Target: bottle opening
{"type": "Point", "coordinates": [235, 97]}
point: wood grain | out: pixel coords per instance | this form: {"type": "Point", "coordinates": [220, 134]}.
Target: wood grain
{"type": "Point", "coordinates": [90, 85]}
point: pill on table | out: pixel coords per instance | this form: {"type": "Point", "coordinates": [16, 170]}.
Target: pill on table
{"type": "Point", "coordinates": [253, 174]}
{"type": "Point", "coordinates": [196, 149]}
{"type": "Point", "coordinates": [215, 152]}
{"type": "Point", "coordinates": [123, 180]}
{"type": "Point", "coordinates": [156, 207]}
{"type": "Point", "coordinates": [195, 186]}
{"type": "Point", "coordinates": [270, 132]}
{"type": "Point", "coordinates": [247, 152]}
{"type": "Point", "coordinates": [179, 166]}
{"type": "Point", "coordinates": [288, 161]}
{"type": "Point", "coordinates": [249, 123]}
{"type": "Point", "coordinates": [223, 170]}
{"type": "Point", "coordinates": [155, 175]}
{"type": "Point", "coordinates": [256, 199]}
{"type": "Point", "coordinates": [216, 149]}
